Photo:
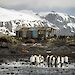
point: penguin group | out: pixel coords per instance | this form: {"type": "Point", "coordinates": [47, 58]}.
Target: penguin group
{"type": "Point", "coordinates": [57, 61]}
{"type": "Point", "coordinates": [36, 60]}
{"type": "Point", "coordinates": [51, 60]}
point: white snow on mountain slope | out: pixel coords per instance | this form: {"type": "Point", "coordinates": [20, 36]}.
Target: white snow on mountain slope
{"type": "Point", "coordinates": [27, 12]}
{"type": "Point", "coordinates": [6, 31]}
{"type": "Point", "coordinates": [14, 20]}
{"type": "Point", "coordinates": [63, 15]}
{"type": "Point", "coordinates": [65, 22]}
{"type": "Point", "coordinates": [7, 15]}
{"type": "Point", "coordinates": [72, 26]}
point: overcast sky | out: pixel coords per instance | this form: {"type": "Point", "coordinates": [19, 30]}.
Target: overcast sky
{"type": "Point", "coordinates": [67, 6]}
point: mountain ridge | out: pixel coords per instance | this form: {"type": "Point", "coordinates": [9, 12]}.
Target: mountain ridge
{"type": "Point", "coordinates": [65, 22]}
{"type": "Point", "coordinates": [12, 20]}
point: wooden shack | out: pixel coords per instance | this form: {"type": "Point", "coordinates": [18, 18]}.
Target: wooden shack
{"type": "Point", "coordinates": [45, 33]}
{"type": "Point", "coordinates": [22, 32]}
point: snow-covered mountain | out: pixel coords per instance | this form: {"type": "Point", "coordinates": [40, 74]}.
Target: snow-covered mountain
{"type": "Point", "coordinates": [11, 20]}
{"type": "Point", "coordinates": [65, 22]}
